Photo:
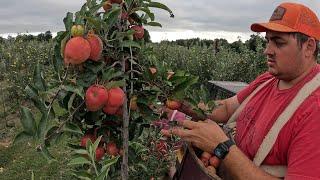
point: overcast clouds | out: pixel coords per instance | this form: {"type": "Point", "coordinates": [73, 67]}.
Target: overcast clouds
{"type": "Point", "coordinates": [18, 16]}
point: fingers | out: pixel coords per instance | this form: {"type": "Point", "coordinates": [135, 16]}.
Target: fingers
{"type": "Point", "coordinates": [209, 121]}
{"type": "Point", "coordinates": [189, 124]}
{"type": "Point", "coordinates": [166, 132]}
{"type": "Point", "coordinates": [183, 133]}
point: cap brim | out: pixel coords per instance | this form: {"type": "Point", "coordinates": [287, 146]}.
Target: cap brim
{"type": "Point", "coordinates": [263, 27]}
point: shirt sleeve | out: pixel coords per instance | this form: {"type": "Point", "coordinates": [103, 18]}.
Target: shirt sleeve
{"type": "Point", "coordinates": [252, 86]}
{"type": "Point", "coordinates": [304, 149]}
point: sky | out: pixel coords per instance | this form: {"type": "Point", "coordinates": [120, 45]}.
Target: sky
{"type": "Point", "coordinates": [206, 19]}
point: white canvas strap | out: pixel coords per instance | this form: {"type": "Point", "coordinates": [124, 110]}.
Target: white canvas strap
{"type": "Point", "coordinates": [284, 117]}
{"type": "Point", "coordinates": [278, 171]}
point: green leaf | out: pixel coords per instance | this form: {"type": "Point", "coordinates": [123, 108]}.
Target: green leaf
{"type": "Point", "coordinates": [46, 153]}
{"type": "Point", "coordinates": [79, 17]}
{"type": "Point", "coordinates": [81, 174]}
{"type": "Point", "coordinates": [109, 162]}
{"type": "Point", "coordinates": [73, 128]}
{"type": "Point", "coordinates": [21, 137]}
{"type": "Point", "coordinates": [81, 151]}
{"type": "Point", "coordinates": [130, 32]}
{"type": "Point", "coordinates": [70, 102]}
{"type": "Point", "coordinates": [110, 74]}
{"type": "Point", "coordinates": [154, 24]}
{"type": "Point", "coordinates": [138, 147]}
{"type": "Point", "coordinates": [179, 90]}
{"type": "Point", "coordinates": [79, 161]}
{"type": "Point", "coordinates": [129, 2]}
{"type": "Point", "coordinates": [42, 127]}
{"type": "Point", "coordinates": [96, 143]}
{"type": "Point", "coordinates": [145, 169]}
{"type": "Point", "coordinates": [86, 79]}
{"type": "Point", "coordinates": [95, 67]}
{"type": "Point", "coordinates": [38, 78]}
{"type": "Point", "coordinates": [52, 135]}
{"type": "Point", "coordinates": [112, 16]}
{"type": "Point", "coordinates": [60, 41]}
{"type": "Point", "coordinates": [146, 10]}
{"type": "Point", "coordinates": [31, 91]}
{"type": "Point", "coordinates": [160, 6]}
{"type": "Point", "coordinates": [113, 84]}
{"type": "Point", "coordinates": [94, 22]}
{"type": "Point", "coordinates": [129, 43]}
{"type": "Point", "coordinates": [106, 167]}
{"type": "Point", "coordinates": [27, 121]}
{"type": "Point", "coordinates": [38, 102]}
{"type": "Point", "coordinates": [75, 89]}
{"type": "Point", "coordinates": [34, 96]}
{"type": "Point", "coordinates": [189, 82]}
{"type": "Point", "coordinates": [91, 3]}
{"type": "Point", "coordinates": [58, 109]}
{"type": "Point", "coordinates": [68, 21]}
{"type": "Point", "coordinates": [63, 44]}
{"type": "Point", "coordinates": [95, 8]}
{"type": "Point", "coordinates": [103, 174]}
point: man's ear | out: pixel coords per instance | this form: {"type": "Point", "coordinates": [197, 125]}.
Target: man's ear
{"type": "Point", "coordinates": [310, 47]}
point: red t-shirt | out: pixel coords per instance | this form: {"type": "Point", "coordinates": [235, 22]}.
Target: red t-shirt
{"type": "Point", "coordinates": [298, 143]}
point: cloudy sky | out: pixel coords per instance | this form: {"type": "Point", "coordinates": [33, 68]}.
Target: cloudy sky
{"type": "Point", "coordinates": [209, 19]}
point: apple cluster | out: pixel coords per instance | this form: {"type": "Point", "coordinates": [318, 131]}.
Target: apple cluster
{"type": "Point", "coordinates": [110, 148]}
{"type": "Point", "coordinates": [78, 49]}
{"type": "Point", "coordinates": [98, 97]}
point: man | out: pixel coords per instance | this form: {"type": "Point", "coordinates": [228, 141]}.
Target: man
{"type": "Point", "coordinates": [292, 35]}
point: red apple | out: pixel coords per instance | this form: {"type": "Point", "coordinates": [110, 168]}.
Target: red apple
{"type": "Point", "coordinates": [174, 105]}
{"type": "Point", "coordinates": [112, 149]}
{"type": "Point", "coordinates": [110, 110]}
{"type": "Point", "coordinates": [116, 97]}
{"type": "Point", "coordinates": [116, 1]}
{"type": "Point", "coordinates": [85, 138]}
{"type": "Point", "coordinates": [162, 147]}
{"type": "Point", "coordinates": [96, 97]}
{"type": "Point", "coordinates": [214, 161]}
{"type": "Point", "coordinates": [139, 31]}
{"type": "Point", "coordinates": [99, 153]}
{"type": "Point", "coordinates": [206, 155]}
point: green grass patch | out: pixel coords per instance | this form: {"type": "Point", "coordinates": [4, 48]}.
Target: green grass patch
{"type": "Point", "coordinates": [20, 160]}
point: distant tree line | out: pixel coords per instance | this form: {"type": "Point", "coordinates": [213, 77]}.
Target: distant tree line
{"type": "Point", "coordinates": [217, 44]}
{"type": "Point", "coordinates": [47, 36]}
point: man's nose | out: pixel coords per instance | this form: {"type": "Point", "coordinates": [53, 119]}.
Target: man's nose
{"type": "Point", "coordinates": [268, 50]}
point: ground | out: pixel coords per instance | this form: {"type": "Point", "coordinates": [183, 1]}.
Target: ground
{"type": "Point", "coordinates": [20, 161]}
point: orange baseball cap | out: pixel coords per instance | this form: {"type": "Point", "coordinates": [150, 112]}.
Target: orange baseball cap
{"type": "Point", "coordinates": [291, 17]}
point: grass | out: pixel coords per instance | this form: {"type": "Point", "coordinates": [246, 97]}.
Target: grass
{"type": "Point", "coordinates": [20, 160]}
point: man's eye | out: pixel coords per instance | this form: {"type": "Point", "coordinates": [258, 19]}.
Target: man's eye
{"type": "Point", "coordinates": [279, 43]}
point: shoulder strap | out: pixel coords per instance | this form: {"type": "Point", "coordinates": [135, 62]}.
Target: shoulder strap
{"type": "Point", "coordinates": [278, 171]}
{"type": "Point", "coordinates": [284, 117]}
{"type": "Point", "coordinates": [235, 115]}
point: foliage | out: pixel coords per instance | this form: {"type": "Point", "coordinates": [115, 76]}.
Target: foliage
{"type": "Point", "coordinates": [18, 58]}
{"type": "Point", "coordinates": [220, 61]}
